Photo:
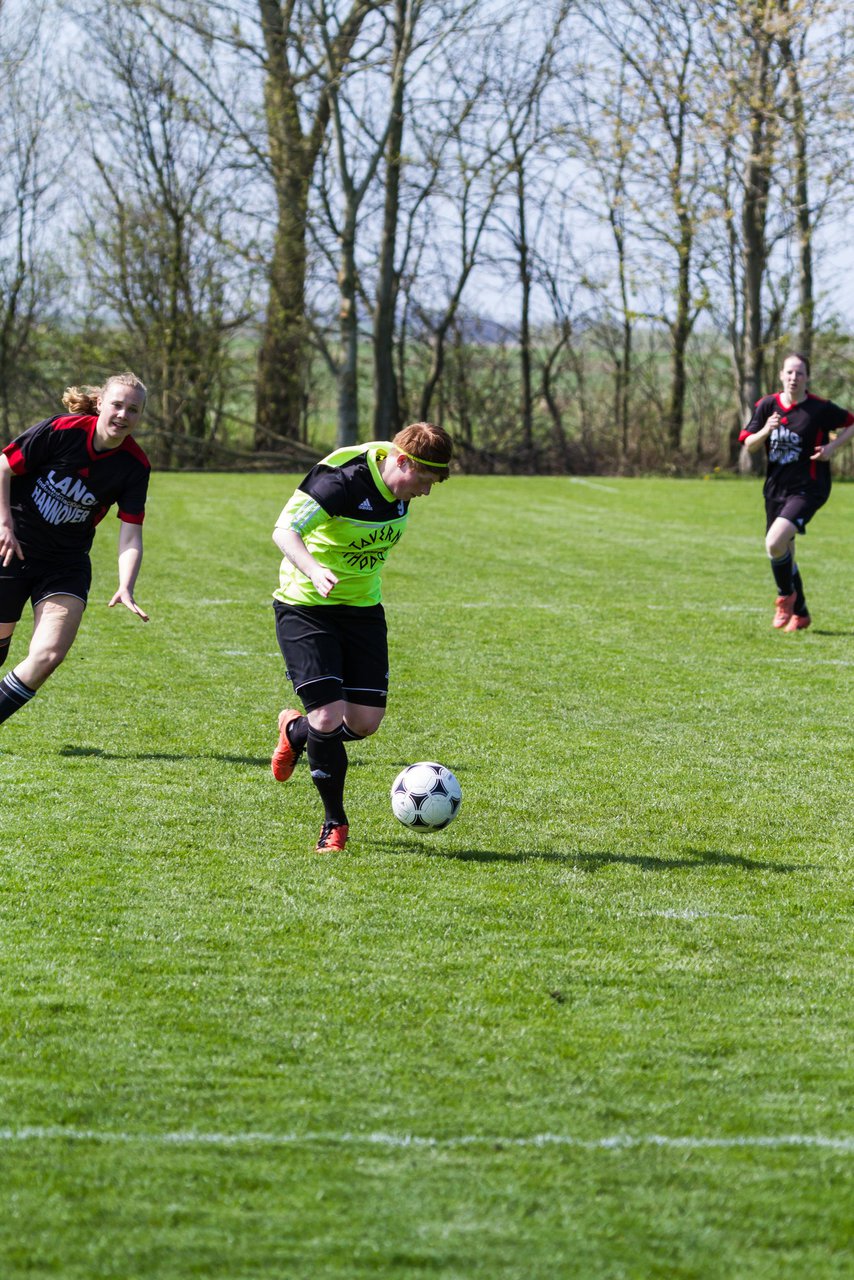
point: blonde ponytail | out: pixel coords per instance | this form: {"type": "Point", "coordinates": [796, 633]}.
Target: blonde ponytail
{"type": "Point", "coordinates": [85, 399]}
{"type": "Point", "coordinates": [81, 399]}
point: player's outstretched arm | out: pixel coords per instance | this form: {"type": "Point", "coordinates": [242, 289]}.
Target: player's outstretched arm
{"type": "Point", "coordinates": [826, 451]}
{"type": "Point", "coordinates": [130, 559]}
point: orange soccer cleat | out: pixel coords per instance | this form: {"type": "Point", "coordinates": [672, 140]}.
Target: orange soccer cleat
{"type": "Point", "coordinates": [784, 610]}
{"type": "Point", "coordinates": [285, 756]}
{"type": "Point", "coordinates": [798, 622]}
{"type": "Point", "coordinates": [333, 837]}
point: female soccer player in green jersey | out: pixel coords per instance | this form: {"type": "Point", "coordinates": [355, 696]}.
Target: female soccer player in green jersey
{"type": "Point", "coordinates": [335, 533]}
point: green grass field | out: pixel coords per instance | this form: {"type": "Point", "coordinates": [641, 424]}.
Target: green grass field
{"type": "Point", "coordinates": [600, 1027]}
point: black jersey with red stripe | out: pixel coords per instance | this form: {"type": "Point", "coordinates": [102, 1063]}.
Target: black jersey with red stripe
{"type": "Point", "coordinates": [62, 486]}
{"type": "Point", "coordinates": [802, 429]}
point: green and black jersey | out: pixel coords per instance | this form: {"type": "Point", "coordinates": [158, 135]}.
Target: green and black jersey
{"type": "Point", "coordinates": [349, 521]}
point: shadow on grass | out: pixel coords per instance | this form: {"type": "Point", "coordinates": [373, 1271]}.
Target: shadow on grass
{"type": "Point", "coordinates": [177, 756]}
{"type": "Point", "coordinates": [82, 753]}
{"type": "Point", "coordinates": [817, 631]}
{"type": "Point", "coordinates": [692, 858]}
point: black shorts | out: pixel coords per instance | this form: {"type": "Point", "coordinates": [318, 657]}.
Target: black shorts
{"type": "Point", "coordinates": [334, 651]}
{"type": "Point", "coordinates": [35, 580]}
{"type": "Point", "coordinates": [799, 508]}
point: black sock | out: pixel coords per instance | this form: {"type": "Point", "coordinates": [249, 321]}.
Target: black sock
{"type": "Point", "coordinates": [4, 649]}
{"type": "Point", "coordinates": [349, 736]}
{"type": "Point", "coordinates": [327, 759]}
{"type": "Point", "coordinates": [800, 600]}
{"type": "Point", "coordinates": [297, 733]}
{"type": "Point", "coordinates": [782, 571]}
{"type": "Point", "coordinates": [14, 694]}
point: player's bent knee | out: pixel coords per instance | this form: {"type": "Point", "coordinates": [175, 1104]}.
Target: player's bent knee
{"type": "Point", "coordinates": [326, 719]}
{"type": "Point", "coordinates": [366, 721]}
{"type": "Point", "coordinates": [50, 659]}
{"type": "Point", "coordinates": [46, 658]}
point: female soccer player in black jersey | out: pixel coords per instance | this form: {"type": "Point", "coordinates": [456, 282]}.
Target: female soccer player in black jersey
{"type": "Point", "coordinates": [794, 427]}
{"type": "Point", "coordinates": [335, 533]}
{"type": "Point", "coordinates": [58, 479]}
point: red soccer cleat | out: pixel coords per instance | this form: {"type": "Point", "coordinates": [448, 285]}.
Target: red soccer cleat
{"type": "Point", "coordinates": [798, 622]}
{"type": "Point", "coordinates": [785, 606]}
{"type": "Point", "coordinates": [333, 837]}
{"type": "Point", "coordinates": [285, 756]}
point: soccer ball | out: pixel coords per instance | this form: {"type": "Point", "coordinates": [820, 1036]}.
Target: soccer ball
{"type": "Point", "coordinates": [426, 796]}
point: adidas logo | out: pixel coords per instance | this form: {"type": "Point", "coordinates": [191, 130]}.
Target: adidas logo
{"type": "Point", "coordinates": [366, 505]}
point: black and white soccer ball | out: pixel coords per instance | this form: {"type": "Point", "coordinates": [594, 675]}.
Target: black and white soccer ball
{"type": "Point", "coordinates": [425, 796]}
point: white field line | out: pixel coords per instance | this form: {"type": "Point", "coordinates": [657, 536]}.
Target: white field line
{"type": "Point", "coordinates": [670, 913]}
{"type": "Point", "coordinates": [813, 661]}
{"type": "Point", "coordinates": [594, 484]}
{"type": "Point", "coordinates": [703, 606]}
{"type": "Point", "coordinates": [618, 1142]}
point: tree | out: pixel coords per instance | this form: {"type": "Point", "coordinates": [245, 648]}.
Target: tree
{"type": "Point", "coordinates": [295, 51]}
{"type": "Point", "coordinates": [797, 116]}
{"type": "Point", "coordinates": [662, 69]}
{"type": "Point", "coordinates": [293, 152]}
{"type": "Point", "coordinates": [30, 164]}
{"type": "Point", "coordinates": [387, 416]}
{"type": "Point", "coordinates": [813, 38]}
{"type": "Point", "coordinates": [462, 164]}
{"type": "Point", "coordinates": [524, 77]}
{"type": "Point", "coordinates": [155, 221]}
{"type": "Point", "coordinates": [781, 121]}
{"type": "Point", "coordinates": [366, 108]}
{"type": "Point", "coordinates": [429, 42]}
{"type": "Point", "coordinates": [763, 131]}
{"type": "Point", "coordinates": [601, 129]}
{"type": "Point", "coordinates": [566, 282]}
{"type": "Point", "coordinates": [469, 193]}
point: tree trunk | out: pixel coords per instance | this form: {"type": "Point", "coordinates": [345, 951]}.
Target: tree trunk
{"type": "Point", "coordinates": [281, 354]}
{"type": "Point", "coordinates": [348, 365]}
{"type": "Point", "coordinates": [681, 332]}
{"type": "Point", "coordinates": [386, 402]}
{"type": "Point", "coordinates": [525, 312]}
{"type": "Point", "coordinates": [757, 183]}
{"type": "Point", "coordinates": [803, 221]}
{"type": "Point", "coordinates": [548, 391]}
{"type": "Point", "coordinates": [623, 370]}
{"type": "Point", "coordinates": [293, 155]}
{"type": "Point", "coordinates": [437, 365]}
